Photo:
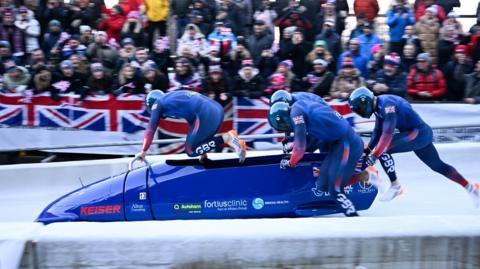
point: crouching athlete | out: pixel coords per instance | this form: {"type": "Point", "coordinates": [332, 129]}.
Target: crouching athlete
{"type": "Point", "coordinates": [324, 124]}
{"type": "Point", "coordinates": [393, 112]}
{"type": "Point", "coordinates": [203, 115]}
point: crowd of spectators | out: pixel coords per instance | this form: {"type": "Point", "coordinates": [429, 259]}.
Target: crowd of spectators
{"type": "Point", "coordinates": [227, 48]}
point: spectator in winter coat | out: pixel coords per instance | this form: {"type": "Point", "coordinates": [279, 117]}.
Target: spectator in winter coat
{"type": "Point", "coordinates": [398, 18]}
{"type": "Point", "coordinates": [67, 80]}
{"type": "Point", "coordinates": [277, 82]}
{"type": "Point", "coordinates": [42, 80]}
{"type": "Point", "coordinates": [424, 81]}
{"type": "Point", "coordinates": [359, 61]}
{"type": "Point", "coordinates": [452, 21]}
{"type": "Point", "coordinates": [267, 63]}
{"type": "Point", "coordinates": [161, 55]}
{"type": "Point", "coordinates": [248, 82]}
{"type": "Point", "coordinates": [261, 38]}
{"type": "Point", "coordinates": [292, 15]}
{"type": "Point", "coordinates": [113, 23]}
{"type": "Point", "coordinates": [320, 80]}
{"type": "Point", "coordinates": [320, 51]}
{"type": "Point", "coordinates": [154, 79]}
{"type": "Point", "coordinates": [130, 80]}
{"type": "Point", "coordinates": [6, 58]}
{"type": "Point", "coordinates": [427, 29]}
{"type": "Point", "coordinates": [16, 79]}
{"type": "Point", "coordinates": [98, 83]}
{"type": "Point", "coordinates": [141, 60]}
{"type": "Point", "coordinates": [30, 27]}
{"type": "Point", "coordinates": [217, 85]}
{"type": "Point", "coordinates": [472, 89]}
{"type": "Point", "coordinates": [36, 58]}
{"type": "Point", "coordinates": [196, 18]}
{"type": "Point", "coordinates": [133, 28]}
{"type": "Point", "coordinates": [329, 13]}
{"type": "Point", "coordinates": [446, 46]}
{"type": "Point", "coordinates": [82, 12]}
{"type": "Point", "coordinates": [376, 61]}
{"type": "Point", "coordinates": [358, 30]}
{"type": "Point", "coordinates": [292, 81]}
{"type": "Point", "coordinates": [86, 35]}
{"type": "Point", "coordinates": [193, 39]}
{"type": "Point", "coordinates": [180, 11]}
{"type": "Point", "coordinates": [229, 11]}
{"type": "Point", "coordinates": [455, 72]}
{"type": "Point", "coordinates": [368, 40]}
{"type": "Point", "coordinates": [185, 78]}
{"type": "Point", "coordinates": [52, 11]}
{"type": "Point", "coordinates": [237, 56]}
{"type": "Point", "coordinates": [410, 38]}
{"type": "Point", "coordinates": [333, 40]}
{"type": "Point", "coordinates": [409, 58]}
{"type": "Point", "coordinates": [422, 10]}
{"type": "Point", "coordinates": [101, 52]}
{"type": "Point", "coordinates": [157, 13]}
{"type": "Point", "coordinates": [297, 50]}
{"type": "Point", "coordinates": [73, 46]}
{"type": "Point", "coordinates": [11, 33]}
{"type": "Point", "coordinates": [347, 80]}
{"type": "Point", "coordinates": [222, 37]}
{"type": "Point", "coordinates": [368, 7]}
{"type": "Point", "coordinates": [390, 79]}
{"type": "Point", "coordinates": [267, 14]}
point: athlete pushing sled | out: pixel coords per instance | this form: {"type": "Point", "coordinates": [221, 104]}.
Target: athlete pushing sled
{"type": "Point", "coordinates": [395, 113]}
{"type": "Point", "coordinates": [204, 116]}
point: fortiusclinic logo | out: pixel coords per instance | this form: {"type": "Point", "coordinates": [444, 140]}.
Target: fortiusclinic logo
{"type": "Point", "coordinates": [258, 203]}
{"type": "Point", "coordinates": [226, 205]}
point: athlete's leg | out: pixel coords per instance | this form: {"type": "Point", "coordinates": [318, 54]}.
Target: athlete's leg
{"type": "Point", "coordinates": [200, 137]}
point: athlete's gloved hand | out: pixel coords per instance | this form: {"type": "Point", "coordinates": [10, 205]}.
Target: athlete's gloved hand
{"type": "Point", "coordinates": [370, 160]}
{"type": "Point", "coordinates": [285, 163]}
{"type": "Point", "coordinates": [360, 166]}
{"type": "Point", "coordinates": [140, 156]}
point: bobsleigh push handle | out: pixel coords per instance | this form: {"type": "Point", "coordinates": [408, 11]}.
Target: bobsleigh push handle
{"type": "Point", "coordinates": [130, 164]}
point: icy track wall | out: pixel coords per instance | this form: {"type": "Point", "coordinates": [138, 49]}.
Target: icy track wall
{"type": "Point", "coordinates": [432, 226]}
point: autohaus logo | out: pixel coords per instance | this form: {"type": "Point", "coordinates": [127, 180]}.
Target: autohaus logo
{"type": "Point", "coordinates": [226, 205]}
{"type": "Point", "coordinates": [188, 208]}
{"type": "Point", "coordinates": [258, 203]}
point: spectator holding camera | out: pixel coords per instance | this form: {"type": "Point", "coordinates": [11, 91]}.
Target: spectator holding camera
{"type": "Point", "coordinates": [335, 18]}
{"type": "Point", "coordinates": [455, 72]}
{"type": "Point", "coordinates": [390, 79]}
{"type": "Point", "coordinates": [133, 28]}
{"type": "Point", "coordinates": [472, 89]}
{"type": "Point", "coordinates": [320, 80]}
{"type": "Point", "coordinates": [236, 57]}
{"type": "Point", "coordinates": [398, 18]}
{"type": "Point", "coordinates": [292, 15]}
{"type": "Point", "coordinates": [425, 82]}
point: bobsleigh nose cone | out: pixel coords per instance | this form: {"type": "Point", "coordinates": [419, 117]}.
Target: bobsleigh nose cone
{"type": "Point", "coordinates": [54, 214]}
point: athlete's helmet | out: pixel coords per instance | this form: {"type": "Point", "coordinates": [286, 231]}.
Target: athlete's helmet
{"type": "Point", "coordinates": [281, 96]}
{"type": "Point", "coordinates": [151, 98]}
{"type": "Point", "coordinates": [279, 117]}
{"type": "Point", "coordinates": [361, 102]}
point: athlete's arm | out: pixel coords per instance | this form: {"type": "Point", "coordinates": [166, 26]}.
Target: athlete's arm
{"type": "Point", "coordinates": [377, 132]}
{"type": "Point", "coordinates": [152, 126]}
{"type": "Point", "coordinates": [300, 136]}
{"type": "Point", "coordinates": [388, 129]}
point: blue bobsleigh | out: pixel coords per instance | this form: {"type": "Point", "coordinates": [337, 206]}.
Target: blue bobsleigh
{"type": "Point", "coordinates": [220, 189]}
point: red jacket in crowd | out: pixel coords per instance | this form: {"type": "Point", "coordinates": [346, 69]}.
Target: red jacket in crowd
{"type": "Point", "coordinates": [113, 26]}
{"type": "Point", "coordinates": [369, 7]}
{"type": "Point", "coordinates": [422, 9]}
{"type": "Point", "coordinates": [431, 81]}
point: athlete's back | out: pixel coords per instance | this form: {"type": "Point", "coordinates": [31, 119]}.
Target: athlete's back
{"type": "Point", "coordinates": [406, 117]}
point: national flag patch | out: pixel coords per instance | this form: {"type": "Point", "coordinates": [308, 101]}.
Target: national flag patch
{"type": "Point", "coordinates": [390, 109]}
{"type": "Point", "coordinates": [298, 120]}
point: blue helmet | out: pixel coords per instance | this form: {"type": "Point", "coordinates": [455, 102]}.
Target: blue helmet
{"type": "Point", "coordinates": [281, 96]}
{"type": "Point", "coordinates": [151, 98]}
{"type": "Point", "coordinates": [361, 102]}
{"type": "Point", "coordinates": [279, 117]}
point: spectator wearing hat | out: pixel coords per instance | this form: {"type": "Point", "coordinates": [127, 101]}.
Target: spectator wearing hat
{"type": "Point", "coordinates": [53, 38]}
{"type": "Point", "coordinates": [391, 79]}
{"type": "Point", "coordinates": [180, 10]}
{"type": "Point", "coordinates": [347, 80]}
{"type": "Point", "coordinates": [141, 59]}
{"type": "Point", "coordinates": [11, 33]}
{"type": "Point", "coordinates": [261, 38]}
{"type": "Point", "coordinates": [213, 58]}
{"type": "Point", "coordinates": [196, 18]}
{"type": "Point", "coordinates": [353, 52]}
{"type": "Point", "coordinates": [267, 63]}
{"type": "Point", "coordinates": [126, 53]}
{"type": "Point", "coordinates": [52, 11]}
{"type": "Point", "coordinates": [36, 58]}
{"type": "Point", "coordinates": [67, 79]}
{"type": "Point", "coordinates": [330, 16]}
{"type": "Point", "coordinates": [398, 18]}
{"type": "Point", "coordinates": [292, 15]}
{"type": "Point", "coordinates": [157, 13]}
{"type": "Point", "coordinates": [133, 28]}
{"type": "Point", "coordinates": [16, 79]}
{"type": "Point", "coordinates": [333, 40]}
{"type": "Point", "coordinates": [446, 46]}
{"type": "Point", "coordinates": [361, 19]}
{"type": "Point", "coordinates": [194, 39]}
{"type": "Point", "coordinates": [376, 61]}
{"type": "Point", "coordinates": [113, 23]}
{"type": "Point", "coordinates": [101, 52]}
{"type": "Point", "coordinates": [223, 38]}
{"type": "Point", "coordinates": [86, 35]}
{"type": "Point", "coordinates": [83, 12]}
{"type": "Point", "coordinates": [42, 79]}
{"type": "Point", "coordinates": [320, 80]}
{"type": "Point", "coordinates": [427, 29]}
{"type": "Point", "coordinates": [368, 7]}
{"type": "Point", "coordinates": [154, 79]}
{"type": "Point", "coordinates": [424, 81]}
{"type": "Point", "coordinates": [216, 85]}
{"type": "Point", "coordinates": [185, 78]}
{"type": "Point", "coordinates": [161, 54]}
{"type": "Point", "coordinates": [292, 81]}
{"type": "Point", "coordinates": [409, 58]}
{"type": "Point", "coordinates": [204, 11]}
{"type": "Point", "coordinates": [235, 15]}
{"type": "Point", "coordinates": [297, 50]}
{"type": "Point", "coordinates": [455, 72]}
{"type": "Point", "coordinates": [320, 51]}
{"type": "Point", "coordinates": [80, 63]}
{"type": "Point", "coordinates": [411, 38]}
{"type": "Point", "coordinates": [130, 80]}
{"type": "Point", "coordinates": [368, 40]}
{"type": "Point", "coordinates": [436, 10]}
{"type": "Point", "coordinates": [98, 83]}
{"type": "Point", "coordinates": [248, 82]}
{"type": "Point", "coordinates": [6, 57]}
{"type": "Point", "coordinates": [26, 22]}
{"type": "Point", "coordinates": [276, 83]}
{"type": "Point", "coordinates": [452, 21]}
{"type": "Point", "coordinates": [266, 13]}
{"type": "Point", "coordinates": [236, 57]}
{"type": "Point", "coordinates": [73, 46]}
{"type": "Point", "coordinates": [472, 88]}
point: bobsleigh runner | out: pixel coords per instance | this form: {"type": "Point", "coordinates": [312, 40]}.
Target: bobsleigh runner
{"type": "Point", "coordinates": [220, 189]}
